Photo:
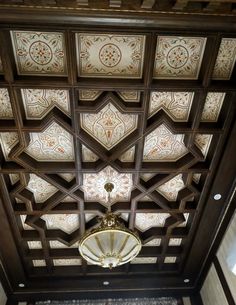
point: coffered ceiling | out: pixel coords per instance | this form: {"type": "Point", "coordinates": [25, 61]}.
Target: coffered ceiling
{"type": "Point", "coordinates": [151, 111]}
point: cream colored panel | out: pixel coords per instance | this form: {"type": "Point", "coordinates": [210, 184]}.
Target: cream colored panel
{"type": "Point", "coordinates": [212, 292]}
{"type": "Point", "coordinates": [3, 297]}
{"type": "Point", "coordinates": [227, 256]}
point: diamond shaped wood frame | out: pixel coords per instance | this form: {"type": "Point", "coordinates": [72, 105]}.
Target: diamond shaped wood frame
{"type": "Point", "coordinates": [51, 251]}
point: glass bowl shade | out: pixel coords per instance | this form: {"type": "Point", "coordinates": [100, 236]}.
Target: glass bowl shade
{"type": "Point", "coordinates": [110, 245]}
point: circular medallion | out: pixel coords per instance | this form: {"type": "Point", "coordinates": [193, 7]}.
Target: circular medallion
{"type": "Point", "coordinates": [40, 53]}
{"type": "Point", "coordinates": [110, 55]}
{"type": "Point", "coordinates": [177, 57]}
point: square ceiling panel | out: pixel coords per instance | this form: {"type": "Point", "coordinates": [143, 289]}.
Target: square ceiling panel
{"type": "Point", "coordinates": [39, 53]}
{"type": "Point", "coordinates": [5, 104]}
{"type": "Point", "coordinates": [110, 55]}
{"type": "Point", "coordinates": [178, 57]}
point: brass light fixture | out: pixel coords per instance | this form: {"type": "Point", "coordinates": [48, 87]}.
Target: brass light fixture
{"type": "Point", "coordinates": [111, 244]}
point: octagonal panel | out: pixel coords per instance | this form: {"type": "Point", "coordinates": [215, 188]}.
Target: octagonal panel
{"type": "Point", "coordinates": [176, 104]}
{"type": "Point", "coordinates": [178, 57]}
{"type": "Point", "coordinates": [38, 102]}
{"type": "Point", "coordinates": [109, 126]}
{"type": "Point", "coordinates": [39, 52]}
{"type": "Point", "coordinates": [171, 188]}
{"type": "Point", "coordinates": [53, 144]}
{"type": "Point", "coordinates": [5, 105]}
{"type": "Point", "coordinates": [119, 56]}
{"type": "Point", "coordinates": [225, 59]}
{"type": "Point", "coordinates": [145, 221]}
{"type": "Point", "coordinates": [162, 145]}
{"type": "Point", "coordinates": [93, 186]}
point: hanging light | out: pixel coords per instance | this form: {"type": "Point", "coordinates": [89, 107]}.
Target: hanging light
{"type": "Point", "coordinates": [111, 244]}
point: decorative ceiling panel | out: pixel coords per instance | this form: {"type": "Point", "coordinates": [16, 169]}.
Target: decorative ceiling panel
{"type": "Point", "coordinates": [203, 142]}
{"type": "Point", "coordinates": [153, 243]}
{"type": "Point", "coordinates": [162, 145]}
{"type": "Point", "coordinates": [67, 176]}
{"type": "Point", "coordinates": [39, 263]}
{"type": "Point", "coordinates": [65, 222]}
{"type": "Point", "coordinates": [130, 96]}
{"type": "Point", "coordinates": [40, 188]}
{"type": "Point", "coordinates": [171, 188]}
{"type": "Point", "coordinates": [89, 95]}
{"type": "Point", "coordinates": [170, 260]}
{"type": "Point", "coordinates": [144, 260]}
{"type": "Point", "coordinates": [226, 59]}
{"type": "Point", "coordinates": [178, 57]}
{"type": "Point", "coordinates": [145, 221]}
{"type": "Point", "coordinates": [8, 140]}
{"type": "Point", "coordinates": [176, 104]}
{"type": "Point", "coordinates": [175, 241]}
{"type": "Point", "coordinates": [39, 53]}
{"type": "Point", "coordinates": [34, 244]}
{"type": "Point", "coordinates": [119, 56]}
{"type": "Point", "coordinates": [55, 244]}
{"type": "Point", "coordinates": [53, 144]}
{"type": "Point", "coordinates": [67, 262]}
{"type": "Point", "coordinates": [5, 104]}
{"type": "Point", "coordinates": [212, 107]}
{"type": "Point", "coordinates": [93, 186]}
{"type": "Point", "coordinates": [109, 126]}
{"type": "Point", "coordinates": [25, 225]}
{"type": "Point", "coordinates": [128, 156]}
{"type": "Point", "coordinates": [38, 102]}
{"type": "Point", "coordinates": [88, 155]}
{"type": "Point", "coordinates": [14, 178]}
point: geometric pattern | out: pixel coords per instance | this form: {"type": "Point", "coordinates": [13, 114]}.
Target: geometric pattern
{"type": "Point", "coordinates": [176, 104]}
{"type": "Point", "coordinates": [7, 141]}
{"type": "Point", "coordinates": [53, 144]}
{"type": "Point", "coordinates": [129, 96]}
{"type": "Point", "coordinates": [171, 188]}
{"type": "Point", "coordinates": [178, 57]}
{"type": "Point", "coordinates": [40, 188]}
{"type": "Point", "coordinates": [225, 59]}
{"type": "Point", "coordinates": [5, 105]}
{"type": "Point", "coordinates": [39, 53]}
{"type": "Point", "coordinates": [203, 142]}
{"type": "Point", "coordinates": [89, 95]}
{"type": "Point", "coordinates": [162, 145]}
{"type": "Point", "coordinates": [93, 186]}
{"type": "Point", "coordinates": [119, 56]}
{"type": "Point", "coordinates": [109, 126]}
{"type": "Point", "coordinates": [145, 221]}
{"type": "Point", "coordinates": [212, 107]}
{"type": "Point", "coordinates": [38, 102]}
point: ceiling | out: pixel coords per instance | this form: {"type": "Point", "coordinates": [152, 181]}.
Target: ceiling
{"type": "Point", "coordinates": [151, 110]}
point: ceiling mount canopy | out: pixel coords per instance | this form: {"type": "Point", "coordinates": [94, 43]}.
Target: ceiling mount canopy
{"type": "Point", "coordinates": [111, 244]}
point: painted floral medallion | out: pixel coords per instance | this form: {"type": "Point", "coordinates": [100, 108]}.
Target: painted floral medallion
{"type": "Point", "coordinates": [93, 186]}
{"type": "Point", "coordinates": [119, 56]}
{"type": "Point", "coordinates": [39, 53]}
{"type": "Point", "coordinates": [171, 188]}
{"type": "Point", "coordinates": [109, 126]}
{"type": "Point", "coordinates": [212, 106]}
{"type": "Point", "coordinates": [178, 57]}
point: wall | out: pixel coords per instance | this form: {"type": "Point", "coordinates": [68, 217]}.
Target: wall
{"type": "Point", "coordinates": [3, 297]}
{"type": "Point", "coordinates": [220, 285]}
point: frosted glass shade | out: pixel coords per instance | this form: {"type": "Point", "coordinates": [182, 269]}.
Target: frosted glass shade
{"type": "Point", "coordinates": [111, 244]}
